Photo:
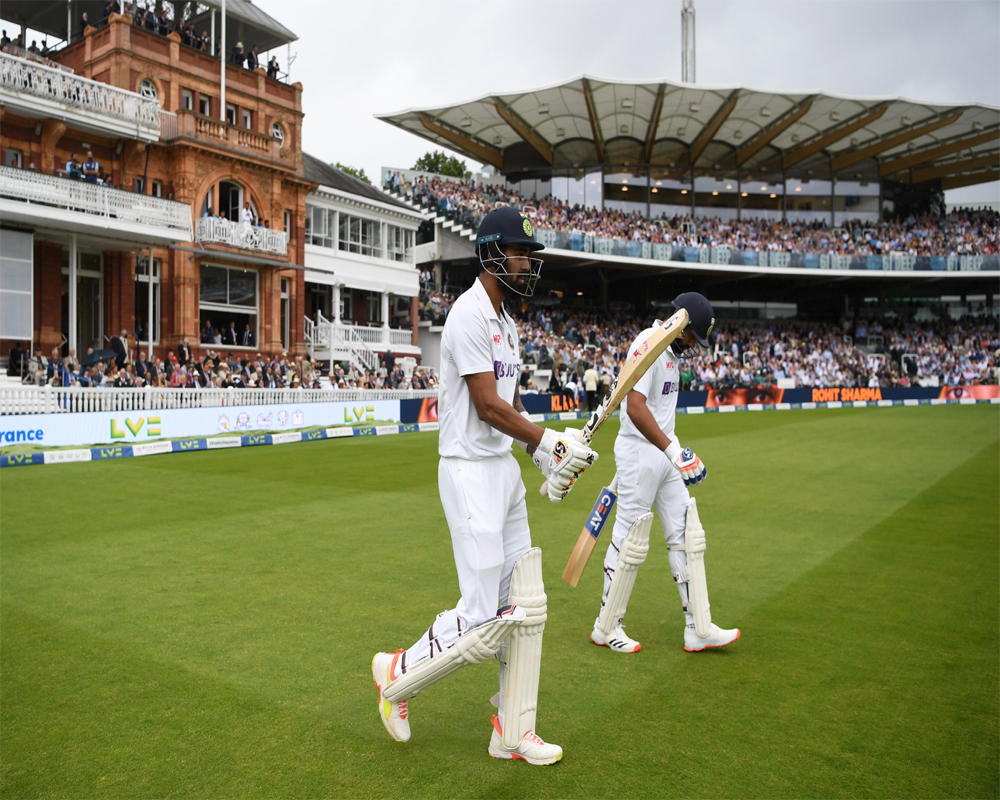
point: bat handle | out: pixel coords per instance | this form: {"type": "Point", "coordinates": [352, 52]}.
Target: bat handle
{"type": "Point", "coordinates": [613, 486]}
{"type": "Point", "coordinates": [544, 488]}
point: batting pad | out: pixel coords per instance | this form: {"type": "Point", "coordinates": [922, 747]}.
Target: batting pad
{"type": "Point", "coordinates": [632, 555]}
{"type": "Point", "coordinates": [474, 646]}
{"type": "Point", "coordinates": [524, 649]}
{"type": "Point", "coordinates": [694, 548]}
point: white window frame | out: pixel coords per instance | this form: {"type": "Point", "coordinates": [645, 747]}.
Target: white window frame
{"type": "Point", "coordinates": [286, 312]}
{"type": "Point", "coordinates": [147, 88]}
{"type": "Point", "coordinates": [230, 119]}
{"type": "Point", "coordinates": [140, 184]}
{"type": "Point", "coordinates": [374, 303]}
{"type": "Point", "coordinates": [88, 273]}
{"type": "Point", "coordinates": [399, 244]}
{"type": "Point", "coordinates": [143, 278]}
{"type": "Point", "coordinates": [360, 231]}
{"type": "Point", "coordinates": [226, 308]}
{"type": "Point", "coordinates": [246, 120]}
{"type": "Point", "coordinates": [287, 219]}
{"type": "Point", "coordinates": [157, 188]}
{"type": "Point", "coordinates": [205, 105]}
{"type": "Point", "coordinates": [187, 99]}
{"type": "Point", "coordinates": [278, 132]}
{"type": "Point", "coordinates": [18, 158]}
{"type": "Point", "coordinates": [321, 226]}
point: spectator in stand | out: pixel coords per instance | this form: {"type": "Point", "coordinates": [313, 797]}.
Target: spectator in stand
{"type": "Point", "coordinates": [73, 168]}
{"type": "Point", "coordinates": [184, 351]}
{"type": "Point", "coordinates": [120, 345]}
{"type": "Point", "coordinates": [246, 339]}
{"type": "Point", "coordinates": [15, 360]}
{"type": "Point", "coordinates": [246, 216]}
{"type": "Point", "coordinates": [91, 168]}
{"type": "Point", "coordinates": [84, 22]}
{"type": "Point", "coordinates": [252, 61]}
{"type": "Point", "coordinates": [4, 40]}
{"type": "Point", "coordinates": [229, 337]}
{"type": "Point", "coordinates": [272, 68]}
{"type": "Point", "coordinates": [238, 56]}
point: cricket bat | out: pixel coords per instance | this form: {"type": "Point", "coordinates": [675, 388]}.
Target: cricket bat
{"type": "Point", "coordinates": [636, 365]}
{"type": "Point", "coordinates": [591, 532]}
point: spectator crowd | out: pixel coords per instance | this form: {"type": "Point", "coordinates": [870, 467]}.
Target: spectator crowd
{"type": "Point", "coordinates": [965, 351]}
{"type": "Point", "coordinates": [961, 232]}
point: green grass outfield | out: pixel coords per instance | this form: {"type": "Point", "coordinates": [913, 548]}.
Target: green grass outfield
{"type": "Point", "coordinates": [202, 624]}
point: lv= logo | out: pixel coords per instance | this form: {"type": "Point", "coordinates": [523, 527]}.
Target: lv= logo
{"type": "Point", "coordinates": [135, 427]}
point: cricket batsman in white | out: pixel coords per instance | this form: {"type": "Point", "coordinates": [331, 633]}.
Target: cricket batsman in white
{"type": "Point", "coordinates": [502, 611]}
{"type": "Point", "coordinates": [655, 471]}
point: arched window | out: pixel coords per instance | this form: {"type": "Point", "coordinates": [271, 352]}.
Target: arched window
{"type": "Point", "coordinates": [148, 89]}
{"type": "Point", "coordinates": [278, 133]}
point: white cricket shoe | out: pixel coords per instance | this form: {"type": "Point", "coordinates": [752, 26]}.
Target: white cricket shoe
{"type": "Point", "coordinates": [394, 715]}
{"type": "Point", "coordinates": [531, 749]}
{"type": "Point", "coordinates": [617, 640]}
{"type": "Point", "coordinates": [717, 637]}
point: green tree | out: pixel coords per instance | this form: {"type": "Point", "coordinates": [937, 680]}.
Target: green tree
{"type": "Point", "coordinates": [436, 161]}
{"type": "Point", "coordinates": [357, 172]}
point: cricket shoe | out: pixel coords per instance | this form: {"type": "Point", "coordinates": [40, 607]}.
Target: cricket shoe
{"type": "Point", "coordinates": [394, 715]}
{"type": "Point", "coordinates": [531, 748]}
{"type": "Point", "coordinates": [617, 640]}
{"type": "Point", "coordinates": [717, 637]}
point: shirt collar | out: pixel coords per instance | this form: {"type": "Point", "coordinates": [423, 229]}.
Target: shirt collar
{"type": "Point", "coordinates": [484, 299]}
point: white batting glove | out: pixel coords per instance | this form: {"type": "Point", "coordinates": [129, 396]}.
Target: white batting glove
{"type": "Point", "coordinates": [567, 458]}
{"type": "Point", "coordinates": [686, 463]}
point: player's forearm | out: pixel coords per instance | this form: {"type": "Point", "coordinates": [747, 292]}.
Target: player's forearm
{"type": "Point", "coordinates": [507, 420]}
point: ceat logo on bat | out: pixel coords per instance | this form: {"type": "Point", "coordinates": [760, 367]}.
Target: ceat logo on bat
{"type": "Point", "coordinates": [496, 338]}
{"type": "Point", "coordinates": [599, 514]}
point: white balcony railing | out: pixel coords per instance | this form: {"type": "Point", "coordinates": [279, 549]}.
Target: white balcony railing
{"type": "Point", "coordinates": [224, 231]}
{"type": "Point", "coordinates": [27, 77]}
{"type": "Point", "coordinates": [92, 198]}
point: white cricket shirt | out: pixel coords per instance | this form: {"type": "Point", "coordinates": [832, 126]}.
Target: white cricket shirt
{"type": "Point", "coordinates": [659, 386]}
{"type": "Point", "coordinates": [475, 340]}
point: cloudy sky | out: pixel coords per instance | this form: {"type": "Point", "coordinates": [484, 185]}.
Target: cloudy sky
{"type": "Point", "coordinates": [356, 59]}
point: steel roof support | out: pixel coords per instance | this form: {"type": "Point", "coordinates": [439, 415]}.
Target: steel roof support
{"type": "Point", "coordinates": [525, 131]}
{"type": "Point", "coordinates": [470, 145]}
{"type": "Point", "coordinates": [851, 158]}
{"type": "Point", "coordinates": [897, 164]}
{"type": "Point", "coordinates": [594, 125]}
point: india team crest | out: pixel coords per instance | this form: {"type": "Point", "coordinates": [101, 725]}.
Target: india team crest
{"type": "Point", "coordinates": [526, 224]}
{"type": "Point", "coordinates": [510, 341]}
{"type": "Point", "coordinates": [710, 326]}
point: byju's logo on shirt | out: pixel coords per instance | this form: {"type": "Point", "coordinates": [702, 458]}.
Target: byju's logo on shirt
{"type": "Point", "coordinates": [506, 369]}
{"type": "Point", "coordinates": [669, 387]}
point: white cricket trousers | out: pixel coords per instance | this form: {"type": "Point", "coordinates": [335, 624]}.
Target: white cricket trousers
{"type": "Point", "coordinates": [647, 480]}
{"type": "Point", "coordinates": [484, 505]}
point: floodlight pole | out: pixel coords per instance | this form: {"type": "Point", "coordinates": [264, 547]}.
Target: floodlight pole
{"type": "Point", "coordinates": [222, 65]}
{"type": "Point", "coordinates": [687, 42]}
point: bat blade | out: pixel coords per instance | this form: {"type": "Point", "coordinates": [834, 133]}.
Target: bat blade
{"type": "Point", "coordinates": [636, 365]}
{"type": "Point", "coordinates": [590, 534]}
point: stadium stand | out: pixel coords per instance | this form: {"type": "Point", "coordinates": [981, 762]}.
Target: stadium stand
{"type": "Point", "coordinates": [962, 232]}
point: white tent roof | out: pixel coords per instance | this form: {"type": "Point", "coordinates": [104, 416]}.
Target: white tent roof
{"type": "Point", "coordinates": [589, 121]}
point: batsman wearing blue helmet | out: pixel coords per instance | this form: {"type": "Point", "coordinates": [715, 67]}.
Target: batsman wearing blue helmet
{"type": "Point", "coordinates": [655, 471]}
{"type": "Point", "coordinates": [502, 611]}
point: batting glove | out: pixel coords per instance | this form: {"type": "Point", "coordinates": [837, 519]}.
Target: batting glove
{"type": "Point", "coordinates": [686, 463]}
{"type": "Point", "coordinates": [567, 458]}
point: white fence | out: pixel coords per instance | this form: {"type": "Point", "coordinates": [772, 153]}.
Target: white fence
{"type": "Point", "coordinates": [27, 77]}
{"type": "Point", "coordinates": [235, 234]}
{"type": "Point", "coordinates": [79, 195]}
{"type": "Point", "coordinates": [49, 400]}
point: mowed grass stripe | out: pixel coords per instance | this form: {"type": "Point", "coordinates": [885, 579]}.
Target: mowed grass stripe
{"type": "Point", "coordinates": [280, 607]}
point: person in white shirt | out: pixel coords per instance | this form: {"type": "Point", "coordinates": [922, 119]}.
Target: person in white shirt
{"type": "Point", "coordinates": [502, 609]}
{"type": "Point", "coordinates": [654, 471]}
{"type": "Point", "coordinates": [246, 215]}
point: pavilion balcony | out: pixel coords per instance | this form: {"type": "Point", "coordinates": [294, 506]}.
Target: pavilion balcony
{"type": "Point", "coordinates": [186, 124]}
{"type": "Point", "coordinates": [76, 206]}
{"type": "Point", "coordinates": [40, 92]}
{"type": "Point", "coordinates": [235, 234]}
